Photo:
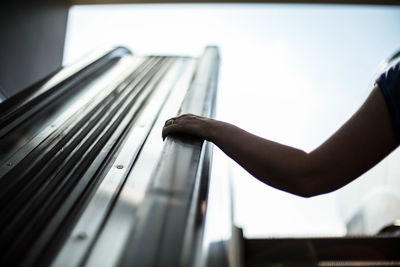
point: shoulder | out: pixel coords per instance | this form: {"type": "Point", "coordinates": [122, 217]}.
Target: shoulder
{"type": "Point", "coordinates": [389, 84]}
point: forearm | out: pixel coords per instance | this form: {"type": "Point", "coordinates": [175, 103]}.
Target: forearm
{"type": "Point", "coordinates": [278, 165]}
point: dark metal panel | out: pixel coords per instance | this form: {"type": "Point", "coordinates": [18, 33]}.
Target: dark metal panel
{"type": "Point", "coordinates": [336, 251]}
{"type": "Point", "coordinates": [32, 42]}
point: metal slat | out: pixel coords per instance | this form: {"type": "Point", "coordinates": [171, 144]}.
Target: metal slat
{"type": "Point", "coordinates": [61, 172]}
{"type": "Point", "coordinates": [57, 181]}
{"type": "Point", "coordinates": [58, 139]}
{"type": "Point", "coordinates": [74, 109]}
{"type": "Point", "coordinates": [123, 216]}
{"type": "Point", "coordinates": [47, 157]}
{"type": "Point", "coordinates": [85, 174]}
{"type": "Point", "coordinates": [14, 112]}
{"type": "Point", "coordinates": [101, 203]}
{"type": "Point", "coordinates": [164, 213]}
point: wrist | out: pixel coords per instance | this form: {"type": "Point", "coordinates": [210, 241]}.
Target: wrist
{"type": "Point", "coordinates": [213, 128]}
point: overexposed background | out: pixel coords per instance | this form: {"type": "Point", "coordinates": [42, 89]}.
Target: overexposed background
{"type": "Point", "coordinates": [290, 73]}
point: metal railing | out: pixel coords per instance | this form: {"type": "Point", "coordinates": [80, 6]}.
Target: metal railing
{"type": "Point", "coordinates": [82, 158]}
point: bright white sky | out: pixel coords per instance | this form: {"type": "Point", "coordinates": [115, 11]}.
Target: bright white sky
{"type": "Point", "coordinates": [290, 73]}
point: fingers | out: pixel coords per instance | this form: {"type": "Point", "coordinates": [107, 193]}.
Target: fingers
{"type": "Point", "coordinates": [177, 120]}
{"type": "Point", "coordinates": [169, 122]}
{"type": "Point", "coordinates": [173, 125]}
{"type": "Point", "coordinates": [189, 124]}
{"type": "Point", "coordinates": [170, 127]}
{"type": "Point", "coordinates": [166, 131]}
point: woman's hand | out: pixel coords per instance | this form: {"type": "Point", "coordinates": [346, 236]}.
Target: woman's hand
{"type": "Point", "coordinates": [189, 124]}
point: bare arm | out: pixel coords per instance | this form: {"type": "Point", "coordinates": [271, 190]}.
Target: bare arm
{"type": "Point", "coordinates": [365, 139]}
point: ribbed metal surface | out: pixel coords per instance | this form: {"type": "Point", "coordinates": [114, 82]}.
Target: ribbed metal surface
{"type": "Point", "coordinates": [165, 223]}
{"type": "Point", "coordinates": [359, 263]}
{"type": "Point", "coordinates": [67, 137]}
{"type": "Point", "coordinates": [325, 251]}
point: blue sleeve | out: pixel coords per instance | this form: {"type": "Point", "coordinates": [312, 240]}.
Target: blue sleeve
{"type": "Point", "coordinates": [389, 83]}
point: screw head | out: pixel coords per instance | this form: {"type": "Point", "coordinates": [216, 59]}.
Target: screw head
{"type": "Point", "coordinates": [82, 236]}
{"type": "Point", "coordinates": [120, 166]}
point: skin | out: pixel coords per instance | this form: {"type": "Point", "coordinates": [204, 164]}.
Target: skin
{"type": "Point", "coordinates": [364, 140]}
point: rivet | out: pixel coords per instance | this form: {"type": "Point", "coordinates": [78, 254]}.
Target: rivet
{"type": "Point", "coordinates": [120, 166]}
{"type": "Point", "coordinates": [82, 236]}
